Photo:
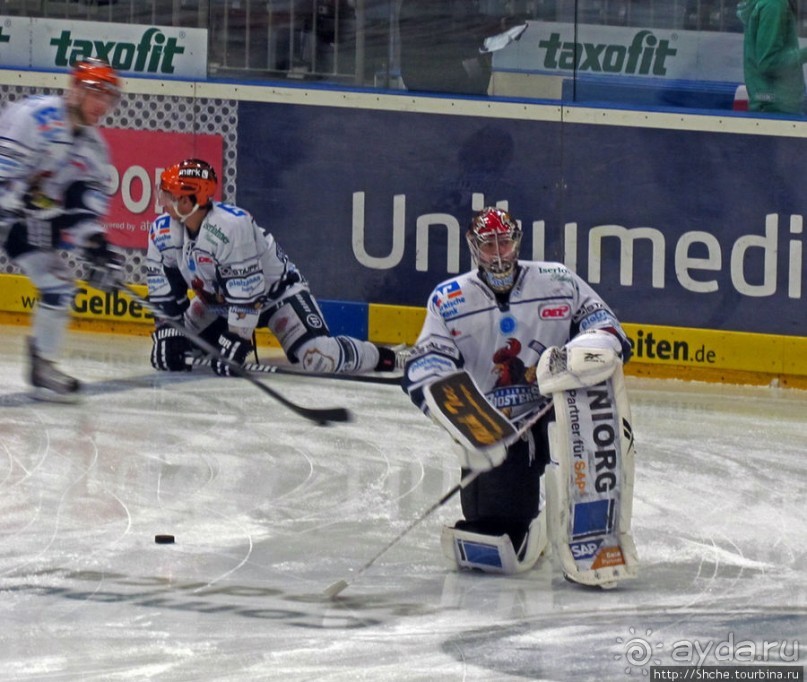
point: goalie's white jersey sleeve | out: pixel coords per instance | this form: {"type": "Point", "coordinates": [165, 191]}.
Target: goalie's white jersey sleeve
{"type": "Point", "coordinates": [38, 149]}
{"type": "Point", "coordinates": [499, 340]}
{"type": "Point", "coordinates": [231, 263]}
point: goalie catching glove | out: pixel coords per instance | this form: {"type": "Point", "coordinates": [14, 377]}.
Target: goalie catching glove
{"type": "Point", "coordinates": [169, 349]}
{"type": "Point", "coordinates": [233, 348]}
{"type": "Point", "coordinates": [588, 359]}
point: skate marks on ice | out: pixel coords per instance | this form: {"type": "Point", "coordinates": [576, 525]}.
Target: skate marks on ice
{"type": "Point", "coordinates": [268, 510]}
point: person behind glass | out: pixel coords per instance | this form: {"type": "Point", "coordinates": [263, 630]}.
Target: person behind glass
{"type": "Point", "coordinates": [772, 59]}
{"type": "Point", "coordinates": [54, 183]}
{"type": "Point", "coordinates": [494, 322]}
{"type": "Point", "coordinates": [242, 280]}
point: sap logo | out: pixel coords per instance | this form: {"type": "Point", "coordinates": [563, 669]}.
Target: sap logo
{"type": "Point", "coordinates": [555, 312]}
{"type": "Point", "coordinates": [584, 550]}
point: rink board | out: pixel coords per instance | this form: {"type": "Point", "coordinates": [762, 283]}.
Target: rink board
{"type": "Point", "coordinates": [658, 350]}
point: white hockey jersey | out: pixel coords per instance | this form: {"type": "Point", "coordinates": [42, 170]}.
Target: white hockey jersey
{"type": "Point", "coordinates": [40, 150]}
{"type": "Point", "coordinates": [498, 340]}
{"type": "Point", "coordinates": [231, 264]}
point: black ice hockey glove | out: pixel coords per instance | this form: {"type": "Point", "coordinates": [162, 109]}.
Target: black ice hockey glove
{"type": "Point", "coordinates": [169, 348]}
{"type": "Point", "coordinates": [235, 349]}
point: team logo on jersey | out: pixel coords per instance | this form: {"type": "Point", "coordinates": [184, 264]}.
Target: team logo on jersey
{"type": "Point", "coordinates": [515, 383]}
{"type": "Point", "coordinates": [555, 311]}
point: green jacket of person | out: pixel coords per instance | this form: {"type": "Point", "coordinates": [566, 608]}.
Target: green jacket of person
{"type": "Point", "coordinates": [772, 59]}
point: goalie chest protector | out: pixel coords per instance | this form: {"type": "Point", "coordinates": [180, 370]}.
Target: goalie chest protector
{"type": "Point", "coordinates": [590, 490]}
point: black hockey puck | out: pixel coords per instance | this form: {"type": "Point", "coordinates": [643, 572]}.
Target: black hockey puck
{"type": "Point", "coordinates": [164, 539]}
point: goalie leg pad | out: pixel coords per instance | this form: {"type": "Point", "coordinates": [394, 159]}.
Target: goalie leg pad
{"type": "Point", "coordinates": [590, 488]}
{"type": "Point", "coordinates": [467, 549]}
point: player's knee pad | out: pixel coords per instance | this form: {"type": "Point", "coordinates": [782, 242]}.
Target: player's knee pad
{"type": "Point", "coordinates": [467, 548]}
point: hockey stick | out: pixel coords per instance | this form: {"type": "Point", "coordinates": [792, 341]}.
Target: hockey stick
{"type": "Point", "coordinates": [340, 586]}
{"type": "Point", "coordinates": [321, 416]}
{"type": "Point", "coordinates": [394, 380]}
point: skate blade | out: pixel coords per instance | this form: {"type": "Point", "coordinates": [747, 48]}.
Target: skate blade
{"type": "Point", "coordinates": [45, 395]}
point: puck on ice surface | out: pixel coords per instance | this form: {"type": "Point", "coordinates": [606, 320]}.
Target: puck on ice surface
{"type": "Point", "coordinates": [164, 539]}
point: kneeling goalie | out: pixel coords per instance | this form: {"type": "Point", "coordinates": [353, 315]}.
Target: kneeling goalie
{"type": "Point", "coordinates": [521, 362]}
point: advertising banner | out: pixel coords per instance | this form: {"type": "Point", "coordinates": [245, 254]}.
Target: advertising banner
{"type": "Point", "coordinates": [134, 50]}
{"type": "Point", "coordinates": [675, 227]}
{"type": "Point", "coordinates": [138, 159]}
{"type": "Point", "coordinates": [586, 50]}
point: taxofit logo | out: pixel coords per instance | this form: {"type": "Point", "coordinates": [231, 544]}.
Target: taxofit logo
{"type": "Point", "coordinates": [645, 56]}
{"type": "Point", "coordinates": [153, 53]}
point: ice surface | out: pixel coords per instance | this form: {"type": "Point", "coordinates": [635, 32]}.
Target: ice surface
{"type": "Point", "coordinates": [268, 510]}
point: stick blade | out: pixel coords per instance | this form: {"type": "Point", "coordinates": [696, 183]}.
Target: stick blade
{"type": "Point", "coordinates": [333, 591]}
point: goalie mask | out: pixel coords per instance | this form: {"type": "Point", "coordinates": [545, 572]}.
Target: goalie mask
{"type": "Point", "coordinates": [495, 241]}
{"type": "Point", "coordinates": [191, 178]}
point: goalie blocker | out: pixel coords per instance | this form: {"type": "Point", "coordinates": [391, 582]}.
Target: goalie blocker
{"type": "Point", "coordinates": [589, 488]}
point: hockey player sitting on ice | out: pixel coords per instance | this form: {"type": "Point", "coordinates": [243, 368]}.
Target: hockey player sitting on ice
{"type": "Point", "coordinates": [54, 182]}
{"type": "Point", "coordinates": [242, 279]}
{"type": "Point", "coordinates": [495, 322]}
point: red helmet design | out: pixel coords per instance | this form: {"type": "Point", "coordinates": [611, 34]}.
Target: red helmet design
{"type": "Point", "coordinates": [96, 74]}
{"type": "Point", "coordinates": [193, 178]}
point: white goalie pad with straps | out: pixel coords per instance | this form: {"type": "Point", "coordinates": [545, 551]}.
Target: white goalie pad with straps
{"type": "Point", "coordinates": [590, 483]}
{"type": "Point", "coordinates": [494, 553]}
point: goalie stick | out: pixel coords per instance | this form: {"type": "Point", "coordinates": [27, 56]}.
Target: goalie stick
{"type": "Point", "coordinates": [470, 419]}
{"type": "Point", "coordinates": [340, 586]}
{"type": "Point", "coordinates": [321, 416]}
{"type": "Point", "coordinates": [260, 368]}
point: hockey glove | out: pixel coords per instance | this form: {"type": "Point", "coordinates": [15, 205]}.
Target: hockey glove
{"type": "Point", "coordinates": [234, 349]}
{"type": "Point", "coordinates": [105, 264]}
{"type": "Point", "coordinates": [169, 348]}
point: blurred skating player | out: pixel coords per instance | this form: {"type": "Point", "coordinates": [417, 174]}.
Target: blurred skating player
{"type": "Point", "coordinates": [242, 279]}
{"type": "Point", "coordinates": [54, 183]}
{"type": "Point", "coordinates": [494, 322]}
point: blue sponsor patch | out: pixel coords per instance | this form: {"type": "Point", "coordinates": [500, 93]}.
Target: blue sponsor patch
{"type": "Point", "coordinates": [599, 318]}
{"type": "Point", "coordinates": [428, 366]}
{"type": "Point", "coordinates": [593, 518]}
{"type": "Point", "coordinates": [446, 299]}
{"type": "Point", "coordinates": [246, 287]}
{"type": "Point", "coordinates": [480, 554]}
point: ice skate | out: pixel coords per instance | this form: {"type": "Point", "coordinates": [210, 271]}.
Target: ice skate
{"type": "Point", "coordinates": [50, 384]}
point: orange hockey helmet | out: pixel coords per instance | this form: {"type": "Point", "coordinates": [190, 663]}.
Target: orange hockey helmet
{"type": "Point", "coordinates": [193, 178]}
{"type": "Point", "coordinates": [96, 74]}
